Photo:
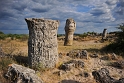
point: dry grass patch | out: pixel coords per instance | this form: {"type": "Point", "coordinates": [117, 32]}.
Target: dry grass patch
{"type": "Point", "coordinates": [13, 47]}
{"type": "Point", "coordinates": [19, 50]}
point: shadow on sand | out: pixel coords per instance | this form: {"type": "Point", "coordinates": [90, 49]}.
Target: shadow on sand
{"type": "Point", "coordinates": [23, 60]}
{"type": "Point", "coordinates": [69, 81]}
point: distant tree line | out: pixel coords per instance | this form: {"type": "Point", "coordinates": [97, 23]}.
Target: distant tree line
{"type": "Point", "coordinates": [22, 37]}
{"type": "Point", "coordinates": [85, 34]}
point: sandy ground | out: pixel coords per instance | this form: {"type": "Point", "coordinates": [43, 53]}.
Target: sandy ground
{"type": "Point", "coordinates": [75, 74]}
{"type": "Point", "coordinates": [92, 64]}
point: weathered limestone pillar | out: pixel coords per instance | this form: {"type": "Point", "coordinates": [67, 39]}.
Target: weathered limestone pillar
{"type": "Point", "coordinates": [42, 42]}
{"type": "Point", "coordinates": [69, 31]}
{"type": "Point", "coordinates": [104, 34]}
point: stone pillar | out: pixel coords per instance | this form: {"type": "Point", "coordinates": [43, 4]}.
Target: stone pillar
{"type": "Point", "coordinates": [104, 34]}
{"type": "Point", "coordinates": [42, 42]}
{"type": "Point", "coordinates": [69, 31]}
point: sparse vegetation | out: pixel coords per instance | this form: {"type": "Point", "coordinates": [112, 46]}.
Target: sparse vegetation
{"type": "Point", "coordinates": [118, 45]}
{"type": "Point", "coordinates": [2, 36]}
{"type": "Point", "coordinates": [22, 37]}
{"type": "Point", "coordinates": [4, 62]}
{"type": "Point", "coordinates": [16, 52]}
{"type": "Point", "coordinates": [59, 35]}
{"type": "Point", "coordinates": [86, 34]}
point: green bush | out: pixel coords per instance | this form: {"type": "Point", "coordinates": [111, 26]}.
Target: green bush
{"type": "Point", "coordinates": [59, 35]}
{"type": "Point", "coordinates": [1, 32]}
{"type": "Point", "coordinates": [11, 36]}
{"type": "Point", "coordinates": [120, 34]}
{"type": "Point", "coordinates": [2, 35]}
{"type": "Point", "coordinates": [22, 37]}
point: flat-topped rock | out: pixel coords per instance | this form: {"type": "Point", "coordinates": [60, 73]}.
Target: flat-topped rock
{"type": "Point", "coordinates": [42, 42]}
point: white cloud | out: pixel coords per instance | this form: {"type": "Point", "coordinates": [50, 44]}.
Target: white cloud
{"type": "Point", "coordinates": [89, 15]}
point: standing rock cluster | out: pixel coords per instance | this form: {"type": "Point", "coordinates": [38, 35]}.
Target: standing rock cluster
{"type": "Point", "coordinates": [42, 42]}
{"type": "Point", "coordinates": [43, 52]}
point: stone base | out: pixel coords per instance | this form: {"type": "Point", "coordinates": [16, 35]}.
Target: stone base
{"type": "Point", "coordinates": [68, 43]}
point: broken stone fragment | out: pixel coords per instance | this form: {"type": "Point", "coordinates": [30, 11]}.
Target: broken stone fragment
{"type": "Point", "coordinates": [19, 74]}
{"type": "Point", "coordinates": [82, 54]}
{"type": "Point", "coordinates": [70, 64]}
{"type": "Point", "coordinates": [114, 56]}
{"type": "Point", "coordinates": [119, 64]}
{"type": "Point", "coordinates": [102, 76]}
{"type": "Point", "coordinates": [94, 55]}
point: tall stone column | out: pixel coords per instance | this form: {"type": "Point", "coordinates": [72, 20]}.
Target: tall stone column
{"type": "Point", "coordinates": [69, 31]}
{"type": "Point", "coordinates": [42, 42]}
{"type": "Point", "coordinates": [104, 34]}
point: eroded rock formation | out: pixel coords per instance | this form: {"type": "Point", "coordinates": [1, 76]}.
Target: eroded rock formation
{"type": "Point", "coordinates": [42, 42]}
{"type": "Point", "coordinates": [69, 31]}
{"type": "Point", "coordinates": [19, 74]}
{"type": "Point", "coordinates": [104, 34]}
{"type": "Point", "coordinates": [102, 76]}
{"type": "Point", "coordinates": [81, 54]}
{"type": "Point", "coordinates": [72, 63]}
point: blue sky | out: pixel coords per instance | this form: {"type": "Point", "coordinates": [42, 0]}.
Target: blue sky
{"type": "Point", "coordinates": [89, 15]}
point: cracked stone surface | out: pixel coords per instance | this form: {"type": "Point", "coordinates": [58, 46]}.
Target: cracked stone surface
{"type": "Point", "coordinates": [19, 74]}
{"type": "Point", "coordinates": [69, 31]}
{"type": "Point", "coordinates": [42, 42]}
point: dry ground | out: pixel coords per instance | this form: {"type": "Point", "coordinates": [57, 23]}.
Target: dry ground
{"type": "Point", "coordinates": [15, 47]}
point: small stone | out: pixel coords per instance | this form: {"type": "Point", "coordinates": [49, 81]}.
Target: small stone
{"type": "Point", "coordinates": [86, 74]}
{"type": "Point", "coordinates": [79, 64]}
{"type": "Point", "coordinates": [114, 56]}
{"type": "Point", "coordinates": [94, 55]}
{"type": "Point", "coordinates": [60, 55]}
{"type": "Point", "coordinates": [70, 64]}
{"type": "Point", "coordinates": [102, 76]}
{"type": "Point", "coordinates": [83, 54]}
{"type": "Point", "coordinates": [105, 58]}
{"type": "Point", "coordinates": [59, 73]}
{"type": "Point", "coordinates": [119, 64]}
{"type": "Point", "coordinates": [66, 67]}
